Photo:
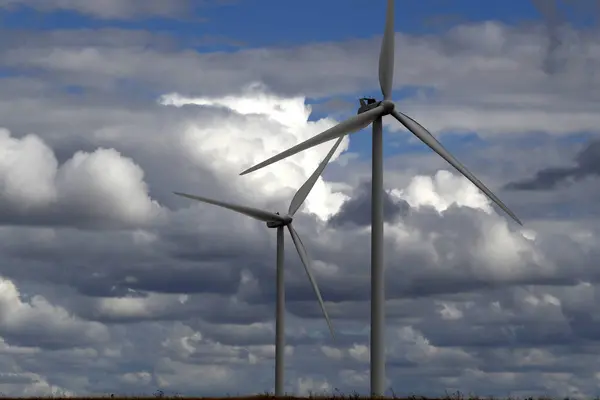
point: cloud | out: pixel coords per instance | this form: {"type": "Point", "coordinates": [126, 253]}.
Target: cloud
{"type": "Point", "coordinates": [357, 209]}
{"type": "Point", "coordinates": [491, 52]}
{"type": "Point", "coordinates": [586, 165]}
{"type": "Point", "coordinates": [38, 323]}
{"type": "Point", "coordinates": [273, 123]}
{"type": "Point", "coordinates": [99, 188]}
{"type": "Point", "coordinates": [188, 298]}
{"type": "Point", "coordinates": [442, 191]}
{"type": "Point", "coordinates": [179, 295]}
{"type": "Point", "coordinates": [108, 9]}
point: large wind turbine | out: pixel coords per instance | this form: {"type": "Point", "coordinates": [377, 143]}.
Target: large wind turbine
{"type": "Point", "coordinates": [372, 111]}
{"type": "Point", "coordinates": [275, 220]}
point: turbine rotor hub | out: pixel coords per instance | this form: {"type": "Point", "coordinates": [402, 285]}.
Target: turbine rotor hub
{"type": "Point", "coordinates": [388, 106]}
{"type": "Point", "coordinates": [277, 224]}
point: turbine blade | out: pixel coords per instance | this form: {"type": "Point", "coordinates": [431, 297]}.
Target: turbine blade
{"type": "Point", "coordinates": [386, 56]}
{"type": "Point", "coordinates": [305, 189]}
{"type": "Point", "coordinates": [255, 213]}
{"type": "Point", "coordinates": [348, 126]}
{"type": "Point", "coordinates": [306, 262]}
{"type": "Point", "coordinates": [427, 138]}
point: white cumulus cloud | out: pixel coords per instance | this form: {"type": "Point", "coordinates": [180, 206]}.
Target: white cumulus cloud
{"type": "Point", "coordinates": [102, 186]}
{"type": "Point", "coordinates": [270, 124]}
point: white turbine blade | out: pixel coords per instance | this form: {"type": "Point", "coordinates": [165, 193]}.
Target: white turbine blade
{"type": "Point", "coordinates": [386, 56]}
{"type": "Point", "coordinates": [305, 189]}
{"type": "Point", "coordinates": [306, 262]}
{"type": "Point", "coordinates": [255, 213]}
{"type": "Point", "coordinates": [427, 138]}
{"type": "Point", "coordinates": [348, 126]}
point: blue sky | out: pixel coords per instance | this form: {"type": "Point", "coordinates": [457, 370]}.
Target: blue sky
{"type": "Point", "coordinates": [272, 22]}
{"type": "Point", "coordinates": [265, 23]}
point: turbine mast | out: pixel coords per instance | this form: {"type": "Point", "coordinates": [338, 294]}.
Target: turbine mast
{"type": "Point", "coordinates": [377, 266]}
{"type": "Point", "coordinates": [279, 317]}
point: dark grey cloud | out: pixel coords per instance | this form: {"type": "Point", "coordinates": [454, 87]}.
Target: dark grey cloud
{"type": "Point", "coordinates": [587, 164]}
{"type": "Point", "coordinates": [357, 209]}
{"type": "Point", "coordinates": [8, 378]}
{"type": "Point", "coordinates": [111, 267]}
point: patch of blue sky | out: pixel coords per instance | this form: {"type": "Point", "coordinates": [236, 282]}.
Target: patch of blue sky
{"type": "Point", "coordinates": [25, 18]}
{"type": "Point", "coordinates": [6, 72]}
{"type": "Point", "coordinates": [536, 139]}
{"type": "Point", "coordinates": [74, 89]}
{"type": "Point", "coordinates": [284, 23]}
{"type": "Point", "coordinates": [276, 22]}
{"type": "Point", "coordinates": [578, 137]}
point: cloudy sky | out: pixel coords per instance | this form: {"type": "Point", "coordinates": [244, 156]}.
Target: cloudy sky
{"type": "Point", "coordinates": [111, 284]}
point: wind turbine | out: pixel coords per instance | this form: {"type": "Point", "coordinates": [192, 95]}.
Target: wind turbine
{"type": "Point", "coordinates": [371, 112]}
{"type": "Point", "coordinates": [275, 220]}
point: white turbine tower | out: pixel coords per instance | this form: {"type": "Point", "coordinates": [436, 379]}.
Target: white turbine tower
{"type": "Point", "coordinates": [372, 111]}
{"type": "Point", "coordinates": [275, 220]}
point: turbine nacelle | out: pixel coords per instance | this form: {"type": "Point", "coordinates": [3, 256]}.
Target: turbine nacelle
{"type": "Point", "coordinates": [278, 224]}
{"type": "Point", "coordinates": [367, 103]}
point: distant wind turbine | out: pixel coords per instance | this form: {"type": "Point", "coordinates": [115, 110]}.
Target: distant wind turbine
{"type": "Point", "coordinates": [275, 220]}
{"type": "Point", "coordinates": [371, 112]}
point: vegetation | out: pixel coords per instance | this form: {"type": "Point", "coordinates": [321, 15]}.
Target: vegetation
{"type": "Point", "coordinates": [337, 395]}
